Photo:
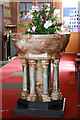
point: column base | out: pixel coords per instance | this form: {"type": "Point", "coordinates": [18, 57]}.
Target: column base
{"type": "Point", "coordinates": [54, 108]}
{"type": "Point", "coordinates": [32, 97]}
{"type": "Point", "coordinates": [45, 98]}
{"type": "Point", "coordinates": [24, 94]}
{"type": "Point", "coordinates": [55, 95]}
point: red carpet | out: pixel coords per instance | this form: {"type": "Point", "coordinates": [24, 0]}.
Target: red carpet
{"type": "Point", "coordinates": [67, 83]}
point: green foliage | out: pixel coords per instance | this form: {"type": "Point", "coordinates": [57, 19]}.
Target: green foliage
{"type": "Point", "coordinates": [21, 24]}
{"type": "Point", "coordinates": [38, 21]}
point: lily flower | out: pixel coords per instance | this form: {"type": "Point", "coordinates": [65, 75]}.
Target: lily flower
{"type": "Point", "coordinates": [33, 28]}
{"type": "Point", "coordinates": [48, 23]}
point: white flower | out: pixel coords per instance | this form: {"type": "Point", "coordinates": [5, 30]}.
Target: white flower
{"type": "Point", "coordinates": [34, 8]}
{"type": "Point", "coordinates": [29, 15]}
{"type": "Point", "coordinates": [58, 31]}
{"type": "Point", "coordinates": [33, 28]}
{"type": "Point", "coordinates": [47, 24]}
{"type": "Point", "coordinates": [28, 30]}
{"type": "Point", "coordinates": [55, 26]}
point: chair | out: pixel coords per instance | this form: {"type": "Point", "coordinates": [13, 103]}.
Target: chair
{"type": "Point", "coordinates": [78, 71]}
{"type": "Point", "coordinates": [77, 62]}
{"type": "Point", "coordinates": [78, 55]}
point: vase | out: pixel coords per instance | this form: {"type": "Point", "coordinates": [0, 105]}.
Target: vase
{"type": "Point", "coordinates": [37, 53]}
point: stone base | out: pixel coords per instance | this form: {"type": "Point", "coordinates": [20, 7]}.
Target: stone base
{"type": "Point", "coordinates": [24, 94]}
{"type": "Point", "coordinates": [55, 95]}
{"type": "Point", "coordinates": [22, 103]}
{"type": "Point", "coordinates": [45, 98]}
{"type": "Point", "coordinates": [32, 97]}
{"type": "Point", "coordinates": [55, 108]}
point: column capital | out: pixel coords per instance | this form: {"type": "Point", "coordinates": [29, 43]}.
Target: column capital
{"type": "Point", "coordinates": [45, 63]}
{"type": "Point", "coordinates": [32, 63]}
{"type": "Point", "coordinates": [24, 62]}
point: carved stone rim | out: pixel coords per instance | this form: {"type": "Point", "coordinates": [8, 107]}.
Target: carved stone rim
{"type": "Point", "coordinates": [62, 33]}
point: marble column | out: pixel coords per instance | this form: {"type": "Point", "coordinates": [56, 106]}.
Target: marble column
{"type": "Point", "coordinates": [56, 93]}
{"type": "Point", "coordinates": [39, 78]}
{"type": "Point", "coordinates": [24, 93]}
{"type": "Point", "coordinates": [45, 95]}
{"type": "Point", "coordinates": [49, 77]}
{"type": "Point", "coordinates": [32, 96]}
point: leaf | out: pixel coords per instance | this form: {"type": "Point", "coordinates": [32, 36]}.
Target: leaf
{"type": "Point", "coordinates": [58, 29]}
{"type": "Point", "coordinates": [21, 24]}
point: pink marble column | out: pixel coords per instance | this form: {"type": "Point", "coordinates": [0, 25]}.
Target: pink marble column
{"type": "Point", "coordinates": [32, 96]}
{"type": "Point", "coordinates": [45, 95]}
{"type": "Point", "coordinates": [25, 91]}
{"type": "Point", "coordinates": [56, 92]}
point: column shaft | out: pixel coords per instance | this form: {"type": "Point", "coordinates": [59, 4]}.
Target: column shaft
{"type": "Point", "coordinates": [32, 80]}
{"type": "Point", "coordinates": [32, 96]}
{"type": "Point", "coordinates": [49, 71]}
{"type": "Point", "coordinates": [56, 93]}
{"type": "Point", "coordinates": [45, 95]}
{"type": "Point", "coordinates": [24, 78]}
{"type": "Point", "coordinates": [45, 81]}
{"type": "Point", "coordinates": [55, 78]}
{"type": "Point", "coordinates": [24, 93]}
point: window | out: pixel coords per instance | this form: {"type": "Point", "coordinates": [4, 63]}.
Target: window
{"type": "Point", "coordinates": [48, 6]}
{"type": "Point", "coordinates": [29, 6]}
{"type": "Point", "coordinates": [24, 8]}
{"type": "Point", "coordinates": [40, 6]}
{"type": "Point", "coordinates": [44, 3]}
{"type": "Point", "coordinates": [71, 16]}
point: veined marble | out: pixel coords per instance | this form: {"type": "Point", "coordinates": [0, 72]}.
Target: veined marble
{"type": "Point", "coordinates": [38, 51]}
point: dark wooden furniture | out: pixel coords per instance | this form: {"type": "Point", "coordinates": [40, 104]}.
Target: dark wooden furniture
{"type": "Point", "coordinates": [78, 55]}
{"type": "Point", "coordinates": [77, 62]}
{"type": "Point", "coordinates": [1, 32]}
{"type": "Point", "coordinates": [78, 71]}
{"type": "Point", "coordinates": [10, 49]}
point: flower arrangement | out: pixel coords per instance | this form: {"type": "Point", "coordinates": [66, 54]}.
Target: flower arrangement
{"type": "Point", "coordinates": [41, 21]}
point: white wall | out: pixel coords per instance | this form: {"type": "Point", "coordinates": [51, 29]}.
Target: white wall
{"type": "Point", "coordinates": [70, 3]}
